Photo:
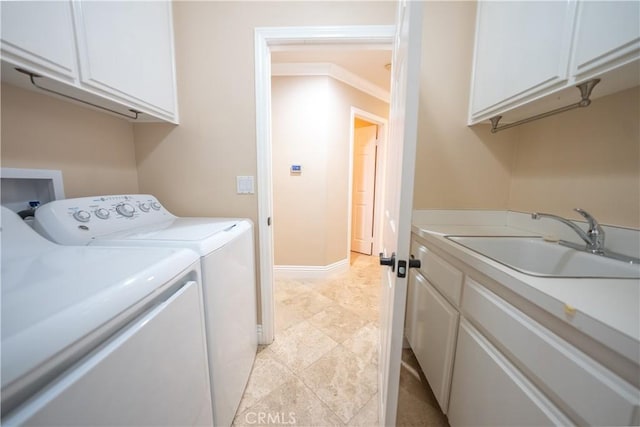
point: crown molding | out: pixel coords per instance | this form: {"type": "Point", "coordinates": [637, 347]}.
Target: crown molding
{"type": "Point", "coordinates": [331, 70]}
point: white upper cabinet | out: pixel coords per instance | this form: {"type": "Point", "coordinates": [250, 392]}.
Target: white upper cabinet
{"type": "Point", "coordinates": [126, 50]}
{"type": "Point", "coordinates": [117, 55]}
{"type": "Point", "coordinates": [522, 48]}
{"type": "Point", "coordinates": [529, 55]}
{"type": "Point", "coordinates": [39, 34]}
{"type": "Point", "coordinates": [607, 35]}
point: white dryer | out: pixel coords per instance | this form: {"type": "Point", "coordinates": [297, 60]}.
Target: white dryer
{"type": "Point", "coordinates": [226, 251]}
{"type": "Point", "coordinates": [100, 336]}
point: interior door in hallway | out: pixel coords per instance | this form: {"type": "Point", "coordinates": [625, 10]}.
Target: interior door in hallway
{"type": "Point", "coordinates": [364, 179]}
{"type": "Point", "coordinates": [398, 201]}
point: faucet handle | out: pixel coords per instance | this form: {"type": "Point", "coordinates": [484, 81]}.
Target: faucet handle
{"type": "Point", "coordinates": [593, 224]}
{"type": "Point", "coordinates": [595, 232]}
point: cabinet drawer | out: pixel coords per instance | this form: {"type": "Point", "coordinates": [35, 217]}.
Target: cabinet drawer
{"type": "Point", "coordinates": [584, 389]}
{"type": "Point", "coordinates": [445, 277]}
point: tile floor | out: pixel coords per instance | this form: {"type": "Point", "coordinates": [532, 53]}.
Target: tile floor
{"type": "Point", "coordinates": [321, 369]}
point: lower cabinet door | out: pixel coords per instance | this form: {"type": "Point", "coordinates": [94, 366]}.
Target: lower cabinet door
{"type": "Point", "coordinates": [432, 335]}
{"type": "Point", "coordinates": [488, 391]}
{"type": "Point", "coordinates": [153, 373]}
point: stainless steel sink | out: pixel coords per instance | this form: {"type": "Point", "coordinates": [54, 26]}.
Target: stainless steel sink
{"type": "Point", "coordinates": [537, 257]}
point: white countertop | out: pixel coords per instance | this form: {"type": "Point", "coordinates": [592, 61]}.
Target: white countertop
{"type": "Point", "coordinates": [608, 310]}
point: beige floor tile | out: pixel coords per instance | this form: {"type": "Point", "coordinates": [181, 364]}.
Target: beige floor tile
{"type": "Point", "coordinates": [343, 381]}
{"type": "Point", "coordinates": [292, 404]}
{"type": "Point", "coordinates": [337, 322]}
{"type": "Point", "coordinates": [287, 316]}
{"type": "Point", "coordinates": [417, 406]}
{"type": "Point", "coordinates": [309, 302]}
{"type": "Point", "coordinates": [365, 343]}
{"type": "Point", "coordinates": [368, 415]}
{"type": "Point", "coordinates": [306, 378]}
{"type": "Point", "coordinates": [364, 306]}
{"type": "Point", "coordinates": [267, 375]}
{"type": "Point", "coordinates": [301, 345]}
{"type": "Point", "coordinates": [285, 289]}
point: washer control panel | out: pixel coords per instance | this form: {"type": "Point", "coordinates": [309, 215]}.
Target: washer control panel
{"type": "Point", "coordinates": [78, 221]}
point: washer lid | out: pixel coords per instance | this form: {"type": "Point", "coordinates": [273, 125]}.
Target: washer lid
{"type": "Point", "coordinates": [53, 296]}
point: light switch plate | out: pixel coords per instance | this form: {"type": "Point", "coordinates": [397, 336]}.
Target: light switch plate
{"type": "Point", "coordinates": [245, 185]}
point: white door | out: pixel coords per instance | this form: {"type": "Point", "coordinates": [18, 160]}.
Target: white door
{"type": "Point", "coordinates": [364, 180]}
{"type": "Point", "coordinates": [398, 199]}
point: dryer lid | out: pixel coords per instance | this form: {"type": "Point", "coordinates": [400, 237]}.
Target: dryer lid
{"type": "Point", "coordinates": [179, 229]}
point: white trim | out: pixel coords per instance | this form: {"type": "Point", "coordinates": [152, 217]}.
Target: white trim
{"type": "Point", "coordinates": [313, 272]}
{"type": "Point", "coordinates": [307, 47]}
{"type": "Point", "coordinates": [331, 70]}
{"type": "Point", "coordinates": [379, 187]}
{"type": "Point", "coordinates": [265, 38]}
{"type": "Point", "coordinates": [264, 184]}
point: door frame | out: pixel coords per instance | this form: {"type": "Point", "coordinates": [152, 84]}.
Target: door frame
{"type": "Point", "coordinates": [382, 124]}
{"type": "Point", "coordinates": [266, 38]}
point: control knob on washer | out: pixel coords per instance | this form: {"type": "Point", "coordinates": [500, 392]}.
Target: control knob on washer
{"type": "Point", "coordinates": [125, 209]}
{"type": "Point", "coordinates": [82, 216]}
{"type": "Point", "coordinates": [102, 213]}
{"type": "Point", "coordinates": [144, 206]}
{"type": "Point", "coordinates": [156, 206]}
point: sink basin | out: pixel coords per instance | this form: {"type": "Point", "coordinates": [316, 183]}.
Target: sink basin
{"type": "Point", "coordinates": [536, 257]}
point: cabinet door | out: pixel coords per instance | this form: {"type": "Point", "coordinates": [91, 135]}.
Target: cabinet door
{"type": "Point", "coordinates": [126, 50]}
{"type": "Point", "coordinates": [488, 391]}
{"type": "Point", "coordinates": [607, 35]}
{"type": "Point", "coordinates": [522, 49]}
{"type": "Point", "coordinates": [432, 335]}
{"type": "Point", "coordinates": [39, 36]}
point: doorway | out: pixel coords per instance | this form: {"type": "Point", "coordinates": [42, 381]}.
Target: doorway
{"type": "Point", "coordinates": [367, 147]}
{"type": "Point", "coordinates": [265, 39]}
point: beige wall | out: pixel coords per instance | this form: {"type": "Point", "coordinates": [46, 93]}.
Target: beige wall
{"type": "Point", "coordinates": [311, 127]}
{"type": "Point", "coordinates": [588, 158]}
{"type": "Point", "coordinates": [342, 98]}
{"type": "Point", "coordinates": [93, 150]}
{"type": "Point", "coordinates": [192, 167]}
{"type": "Point", "coordinates": [300, 110]}
{"type": "Point", "coordinates": [457, 167]}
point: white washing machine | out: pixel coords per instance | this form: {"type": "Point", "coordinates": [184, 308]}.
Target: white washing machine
{"type": "Point", "coordinates": [100, 336]}
{"type": "Point", "coordinates": [226, 251]}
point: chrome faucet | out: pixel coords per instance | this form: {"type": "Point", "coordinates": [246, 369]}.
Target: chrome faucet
{"type": "Point", "coordinates": [593, 237]}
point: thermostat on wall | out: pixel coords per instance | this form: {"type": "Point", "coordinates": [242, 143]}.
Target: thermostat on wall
{"type": "Point", "coordinates": [296, 168]}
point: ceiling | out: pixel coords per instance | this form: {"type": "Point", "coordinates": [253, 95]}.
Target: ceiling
{"type": "Point", "coordinates": [367, 62]}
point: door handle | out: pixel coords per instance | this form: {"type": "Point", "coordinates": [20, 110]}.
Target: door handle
{"type": "Point", "coordinates": [391, 261]}
{"type": "Point", "coordinates": [414, 263]}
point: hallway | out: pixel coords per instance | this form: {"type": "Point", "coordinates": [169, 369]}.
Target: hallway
{"type": "Point", "coordinates": [321, 369]}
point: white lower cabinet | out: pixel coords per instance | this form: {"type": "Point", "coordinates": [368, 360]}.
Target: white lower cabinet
{"type": "Point", "coordinates": [432, 325]}
{"type": "Point", "coordinates": [487, 390]}
{"type": "Point", "coordinates": [489, 363]}
{"type": "Point", "coordinates": [585, 390]}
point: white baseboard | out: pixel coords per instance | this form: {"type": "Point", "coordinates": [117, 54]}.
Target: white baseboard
{"type": "Point", "coordinates": [310, 272]}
